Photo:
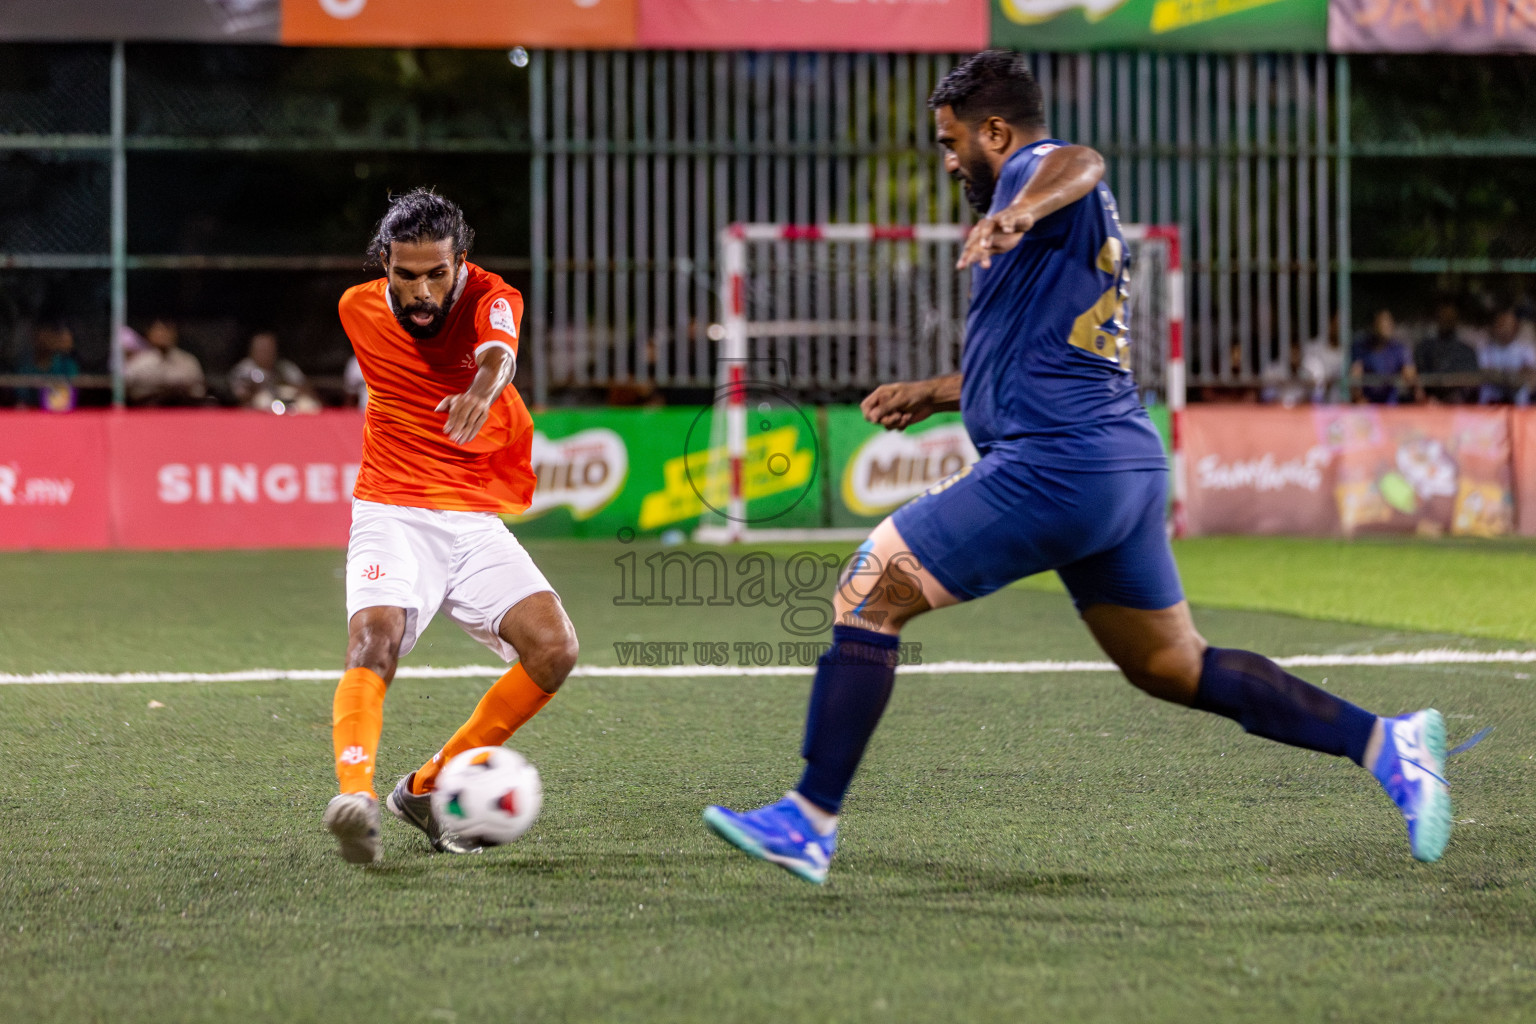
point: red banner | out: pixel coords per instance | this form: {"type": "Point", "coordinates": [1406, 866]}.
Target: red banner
{"type": "Point", "coordinates": [1344, 470]}
{"type": "Point", "coordinates": [913, 25]}
{"type": "Point", "coordinates": [220, 479]}
{"type": "Point", "coordinates": [53, 481]}
{"type": "Point", "coordinates": [177, 479]}
{"type": "Point", "coordinates": [1522, 437]}
{"type": "Point", "coordinates": [602, 24]}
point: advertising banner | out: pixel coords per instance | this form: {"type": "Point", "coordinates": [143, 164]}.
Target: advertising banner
{"type": "Point", "coordinates": [483, 24]}
{"type": "Point", "coordinates": [53, 481]}
{"type": "Point", "coordinates": [936, 26]}
{"type": "Point", "coordinates": [1346, 470]}
{"type": "Point", "coordinates": [623, 472]}
{"type": "Point", "coordinates": [1234, 25]}
{"type": "Point", "coordinates": [205, 21]}
{"type": "Point", "coordinates": [875, 471]}
{"type": "Point", "coordinates": [188, 479]}
{"type": "Point", "coordinates": [1522, 438]}
{"type": "Point", "coordinates": [1432, 26]}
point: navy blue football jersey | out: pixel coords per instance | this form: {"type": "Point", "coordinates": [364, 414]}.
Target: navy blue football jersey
{"type": "Point", "coordinates": [1046, 360]}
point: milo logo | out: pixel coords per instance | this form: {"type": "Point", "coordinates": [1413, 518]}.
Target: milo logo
{"type": "Point", "coordinates": [892, 468]}
{"type": "Point", "coordinates": [583, 472]}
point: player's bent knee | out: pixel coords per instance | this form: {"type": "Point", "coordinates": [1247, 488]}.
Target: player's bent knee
{"type": "Point", "coordinates": [551, 657]}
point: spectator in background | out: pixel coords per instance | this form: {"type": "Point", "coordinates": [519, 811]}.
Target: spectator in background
{"type": "Point", "coordinates": [163, 374]}
{"type": "Point", "coordinates": [1322, 363]}
{"type": "Point", "coordinates": [264, 381]}
{"type": "Point", "coordinates": [1379, 352]}
{"type": "Point", "coordinates": [1510, 354]}
{"type": "Point", "coordinates": [53, 352]}
{"type": "Point", "coordinates": [1445, 350]}
{"type": "Point", "coordinates": [356, 388]}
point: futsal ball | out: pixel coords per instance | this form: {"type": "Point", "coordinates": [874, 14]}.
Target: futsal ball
{"type": "Point", "coordinates": [489, 794]}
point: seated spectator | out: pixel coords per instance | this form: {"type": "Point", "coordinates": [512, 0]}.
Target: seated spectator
{"type": "Point", "coordinates": [263, 381]}
{"type": "Point", "coordinates": [1379, 352]}
{"type": "Point", "coordinates": [163, 374]}
{"type": "Point", "coordinates": [354, 385]}
{"type": "Point", "coordinates": [1446, 351]}
{"type": "Point", "coordinates": [53, 352]}
{"type": "Point", "coordinates": [1509, 354]}
{"type": "Point", "coordinates": [1322, 363]}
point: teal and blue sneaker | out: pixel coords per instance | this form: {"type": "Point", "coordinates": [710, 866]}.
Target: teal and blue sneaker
{"type": "Point", "coordinates": [1411, 768]}
{"type": "Point", "coordinates": [779, 834]}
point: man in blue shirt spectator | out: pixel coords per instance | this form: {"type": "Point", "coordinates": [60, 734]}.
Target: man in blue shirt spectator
{"type": "Point", "coordinates": [1379, 352]}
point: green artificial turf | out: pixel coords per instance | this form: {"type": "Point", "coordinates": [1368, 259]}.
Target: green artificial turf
{"type": "Point", "coordinates": [1051, 847]}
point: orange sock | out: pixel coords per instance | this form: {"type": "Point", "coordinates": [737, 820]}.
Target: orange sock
{"type": "Point", "coordinates": [511, 701]}
{"type": "Point", "coordinates": [357, 718]}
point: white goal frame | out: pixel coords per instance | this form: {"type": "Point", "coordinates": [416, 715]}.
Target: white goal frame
{"type": "Point", "coordinates": [736, 329]}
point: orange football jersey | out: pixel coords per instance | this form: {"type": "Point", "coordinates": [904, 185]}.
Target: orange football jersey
{"type": "Point", "coordinates": [407, 459]}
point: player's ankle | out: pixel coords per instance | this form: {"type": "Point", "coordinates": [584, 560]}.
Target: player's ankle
{"type": "Point", "coordinates": [824, 822]}
{"type": "Point", "coordinates": [1373, 745]}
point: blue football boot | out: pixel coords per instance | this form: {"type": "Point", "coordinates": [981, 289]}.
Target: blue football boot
{"type": "Point", "coordinates": [779, 834]}
{"type": "Point", "coordinates": [1411, 768]}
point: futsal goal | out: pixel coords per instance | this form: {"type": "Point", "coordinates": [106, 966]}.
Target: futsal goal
{"type": "Point", "coordinates": [817, 312]}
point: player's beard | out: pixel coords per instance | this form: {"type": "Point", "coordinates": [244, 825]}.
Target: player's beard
{"type": "Point", "coordinates": [978, 182]}
{"type": "Point", "coordinates": [422, 332]}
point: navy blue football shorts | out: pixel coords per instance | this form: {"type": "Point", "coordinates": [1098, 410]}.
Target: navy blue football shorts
{"type": "Point", "coordinates": [1001, 520]}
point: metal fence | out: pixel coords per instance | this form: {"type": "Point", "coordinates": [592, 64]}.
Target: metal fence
{"type": "Point", "coordinates": [640, 159]}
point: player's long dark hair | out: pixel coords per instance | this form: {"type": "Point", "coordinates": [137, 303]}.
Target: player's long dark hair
{"type": "Point", "coordinates": [993, 83]}
{"type": "Point", "coordinates": [419, 215]}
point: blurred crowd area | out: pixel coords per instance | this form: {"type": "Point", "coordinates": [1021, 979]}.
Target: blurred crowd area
{"type": "Point", "coordinates": [1453, 356]}
{"type": "Point", "coordinates": [1485, 355]}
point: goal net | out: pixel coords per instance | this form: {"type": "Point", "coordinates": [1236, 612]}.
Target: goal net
{"type": "Point", "coordinates": [812, 314]}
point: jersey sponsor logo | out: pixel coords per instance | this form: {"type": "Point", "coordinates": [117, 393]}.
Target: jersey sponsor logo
{"type": "Point", "coordinates": [1044, 149]}
{"type": "Point", "coordinates": [583, 472]}
{"type": "Point", "coordinates": [374, 572]}
{"type": "Point", "coordinates": [892, 468]}
{"type": "Point", "coordinates": [502, 318]}
{"type": "Point", "coordinates": [248, 483]}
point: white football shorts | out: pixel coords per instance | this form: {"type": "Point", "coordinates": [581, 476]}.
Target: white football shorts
{"type": "Point", "coordinates": [465, 563]}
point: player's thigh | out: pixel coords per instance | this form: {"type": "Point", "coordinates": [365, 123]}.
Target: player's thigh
{"type": "Point", "coordinates": [396, 558]}
{"type": "Point", "coordinates": [990, 524]}
{"type": "Point", "coordinates": [492, 573]}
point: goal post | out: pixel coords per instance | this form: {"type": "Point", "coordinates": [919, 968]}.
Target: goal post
{"type": "Point", "coordinates": [818, 308]}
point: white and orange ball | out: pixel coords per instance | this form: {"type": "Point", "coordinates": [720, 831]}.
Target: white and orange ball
{"type": "Point", "coordinates": [489, 794]}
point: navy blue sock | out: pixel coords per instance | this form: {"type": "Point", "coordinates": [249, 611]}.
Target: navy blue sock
{"type": "Point", "coordinates": [853, 683]}
{"type": "Point", "coordinates": [1268, 701]}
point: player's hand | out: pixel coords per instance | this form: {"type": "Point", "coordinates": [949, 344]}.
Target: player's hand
{"type": "Point", "coordinates": [993, 235]}
{"type": "Point", "coordinates": [898, 406]}
{"type": "Point", "coordinates": [467, 413]}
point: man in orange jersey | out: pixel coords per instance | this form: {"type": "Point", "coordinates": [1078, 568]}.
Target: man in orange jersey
{"type": "Point", "coordinates": [446, 445]}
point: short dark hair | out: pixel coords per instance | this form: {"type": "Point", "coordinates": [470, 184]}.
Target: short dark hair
{"type": "Point", "coordinates": [420, 215]}
{"type": "Point", "coordinates": [993, 83]}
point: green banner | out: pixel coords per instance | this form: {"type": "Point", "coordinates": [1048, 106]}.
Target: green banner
{"type": "Point", "coordinates": [1243, 25]}
{"type": "Point", "coordinates": [613, 472]}
{"type": "Point", "coordinates": [632, 472]}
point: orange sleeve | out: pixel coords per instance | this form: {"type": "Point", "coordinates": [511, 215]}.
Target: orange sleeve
{"type": "Point", "coordinates": [498, 318]}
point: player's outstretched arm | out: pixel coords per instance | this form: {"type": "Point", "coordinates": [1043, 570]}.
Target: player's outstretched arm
{"type": "Point", "coordinates": [1065, 175]}
{"type": "Point", "coordinates": [467, 412]}
{"type": "Point", "coordinates": [898, 406]}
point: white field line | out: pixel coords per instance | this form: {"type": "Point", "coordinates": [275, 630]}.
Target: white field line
{"type": "Point", "coordinates": [1434, 656]}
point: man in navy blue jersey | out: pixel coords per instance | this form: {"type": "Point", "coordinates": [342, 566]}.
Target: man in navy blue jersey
{"type": "Point", "coordinates": [1072, 477]}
